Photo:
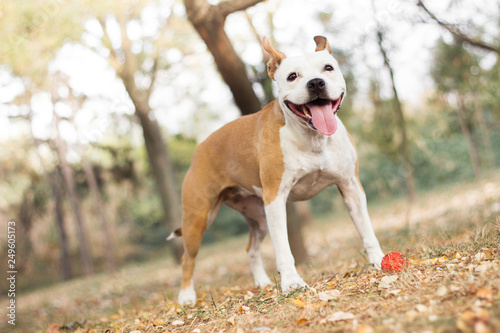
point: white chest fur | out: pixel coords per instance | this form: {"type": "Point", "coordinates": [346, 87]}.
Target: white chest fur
{"type": "Point", "coordinates": [314, 162]}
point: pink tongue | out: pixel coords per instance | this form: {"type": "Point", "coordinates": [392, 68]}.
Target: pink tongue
{"type": "Point", "coordinates": [323, 118]}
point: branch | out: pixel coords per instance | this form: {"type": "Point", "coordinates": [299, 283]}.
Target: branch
{"type": "Point", "coordinates": [457, 33]}
{"type": "Point", "coordinates": [228, 7]}
{"type": "Point", "coordinates": [106, 41]}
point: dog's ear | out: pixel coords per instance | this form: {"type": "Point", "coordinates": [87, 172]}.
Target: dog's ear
{"type": "Point", "coordinates": [275, 58]}
{"type": "Point", "coordinates": [322, 44]}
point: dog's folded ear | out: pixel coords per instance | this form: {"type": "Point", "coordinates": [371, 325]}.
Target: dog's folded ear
{"type": "Point", "coordinates": [275, 58]}
{"type": "Point", "coordinates": [322, 44]}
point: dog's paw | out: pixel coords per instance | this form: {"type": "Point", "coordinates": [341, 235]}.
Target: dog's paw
{"type": "Point", "coordinates": [375, 258]}
{"type": "Point", "coordinates": [187, 296]}
{"type": "Point", "coordinates": [291, 283]}
{"type": "Point", "coordinates": [263, 281]}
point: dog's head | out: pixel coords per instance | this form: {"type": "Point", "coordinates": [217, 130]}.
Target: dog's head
{"type": "Point", "coordinates": [310, 87]}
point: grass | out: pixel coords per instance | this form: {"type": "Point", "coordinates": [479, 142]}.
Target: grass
{"type": "Point", "coordinates": [452, 240]}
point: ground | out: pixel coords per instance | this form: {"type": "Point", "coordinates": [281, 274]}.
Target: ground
{"type": "Point", "coordinates": [451, 237]}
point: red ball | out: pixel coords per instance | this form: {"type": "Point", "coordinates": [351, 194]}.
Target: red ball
{"type": "Point", "coordinates": [394, 262]}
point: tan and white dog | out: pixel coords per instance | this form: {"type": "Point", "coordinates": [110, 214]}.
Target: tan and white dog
{"type": "Point", "coordinates": [289, 151]}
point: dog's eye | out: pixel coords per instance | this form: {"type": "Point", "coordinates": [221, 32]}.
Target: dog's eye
{"type": "Point", "coordinates": [291, 77]}
{"type": "Point", "coordinates": [329, 68]}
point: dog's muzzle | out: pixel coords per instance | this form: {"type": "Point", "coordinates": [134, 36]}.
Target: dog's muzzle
{"type": "Point", "coordinates": [319, 113]}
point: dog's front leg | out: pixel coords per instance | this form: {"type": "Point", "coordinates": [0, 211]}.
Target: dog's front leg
{"type": "Point", "coordinates": [285, 263]}
{"type": "Point", "coordinates": [355, 201]}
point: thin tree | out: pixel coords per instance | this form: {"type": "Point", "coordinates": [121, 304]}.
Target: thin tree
{"type": "Point", "coordinates": [68, 177]}
{"type": "Point", "coordinates": [127, 64]}
{"type": "Point", "coordinates": [55, 185]}
{"type": "Point", "coordinates": [404, 145]}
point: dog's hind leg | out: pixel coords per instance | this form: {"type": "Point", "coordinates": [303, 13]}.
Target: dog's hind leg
{"type": "Point", "coordinates": [252, 208]}
{"type": "Point", "coordinates": [199, 210]}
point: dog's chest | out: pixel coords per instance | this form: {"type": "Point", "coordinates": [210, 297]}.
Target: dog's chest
{"type": "Point", "coordinates": [311, 168]}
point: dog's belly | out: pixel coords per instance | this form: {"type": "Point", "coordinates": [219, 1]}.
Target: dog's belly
{"type": "Point", "coordinates": [310, 185]}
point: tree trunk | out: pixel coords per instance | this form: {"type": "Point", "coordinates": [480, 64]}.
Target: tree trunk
{"type": "Point", "coordinates": [54, 179]}
{"type": "Point", "coordinates": [209, 22]}
{"type": "Point", "coordinates": [25, 216]}
{"type": "Point", "coordinates": [159, 159]}
{"type": "Point", "coordinates": [485, 132]}
{"type": "Point", "coordinates": [161, 166]}
{"type": "Point", "coordinates": [404, 145]}
{"type": "Point", "coordinates": [474, 157]}
{"type": "Point", "coordinates": [85, 256]}
{"type": "Point", "coordinates": [100, 213]}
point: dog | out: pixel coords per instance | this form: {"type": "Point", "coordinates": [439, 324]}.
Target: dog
{"type": "Point", "coordinates": [291, 150]}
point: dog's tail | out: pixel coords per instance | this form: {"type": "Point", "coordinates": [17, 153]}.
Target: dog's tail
{"type": "Point", "coordinates": [175, 234]}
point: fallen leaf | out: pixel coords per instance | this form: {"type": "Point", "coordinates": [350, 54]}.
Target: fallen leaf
{"type": "Point", "coordinates": [484, 267]}
{"type": "Point", "coordinates": [485, 293]}
{"type": "Point", "coordinates": [54, 328]}
{"type": "Point", "coordinates": [365, 329]}
{"type": "Point", "coordinates": [329, 295]}
{"type": "Point", "coordinates": [196, 330]}
{"type": "Point", "coordinates": [159, 322]}
{"type": "Point", "coordinates": [340, 316]}
{"type": "Point", "coordinates": [249, 295]}
{"type": "Point", "coordinates": [480, 256]}
{"type": "Point", "coordinates": [301, 321]}
{"type": "Point", "coordinates": [177, 323]}
{"type": "Point", "coordinates": [488, 254]}
{"type": "Point", "coordinates": [231, 320]}
{"type": "Point", "coordinates": [298, 303]}
{"type": "Point", "coordinates": [386, 281]}
{"type": "Point", "coordinates": [421, 308]}
{"type": "Point", "coordinates": [442, 291]}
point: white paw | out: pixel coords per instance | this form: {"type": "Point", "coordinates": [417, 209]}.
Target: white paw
{"type": "Point", "coordinates": [187, 296]}
{"type": "Point", "coordinates": [375, 258]}
{"type": "Point", "coordinates": [292, 282]}
{"type": "Point", "coordinates": [263, 281]}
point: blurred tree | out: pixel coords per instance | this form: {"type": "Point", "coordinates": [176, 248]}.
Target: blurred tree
{"type": "Point", "coordinates": [455, 73]}
{"type": "Point", "coordinates": [34, 31]}
{"type": "Point", "coordinates": [400, 122]}
{"type": "Point", "coordinates": [75, 104]}
{"type": "Point", "coordinates": [55, 185]}
{"type": "Point", "coordinates": [137, 63]}
{"type": "Point", "coordinates": [209, 21]}
{"type": "Point", "coordinates": [74, 199]}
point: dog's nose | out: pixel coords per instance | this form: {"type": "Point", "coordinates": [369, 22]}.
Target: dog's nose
{"type": "Point", "coordinates": [316, 86]}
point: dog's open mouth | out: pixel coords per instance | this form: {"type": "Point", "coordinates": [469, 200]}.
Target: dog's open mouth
{"type": "Point", "coordinates": [319, 113]}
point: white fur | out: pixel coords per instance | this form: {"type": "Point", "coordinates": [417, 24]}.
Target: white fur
{"type": "Point", "coordinates": [188, 295]}
{"type": "Point", "coordinates": [276, 220]}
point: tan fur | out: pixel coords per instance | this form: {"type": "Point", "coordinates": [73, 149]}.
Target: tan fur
{"type": "Point", "coordinates": [233, 156]}
{"type": "Point", "coordinates": [322, 44]}
{"type": "Point", "coordinates": [275, 58]}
